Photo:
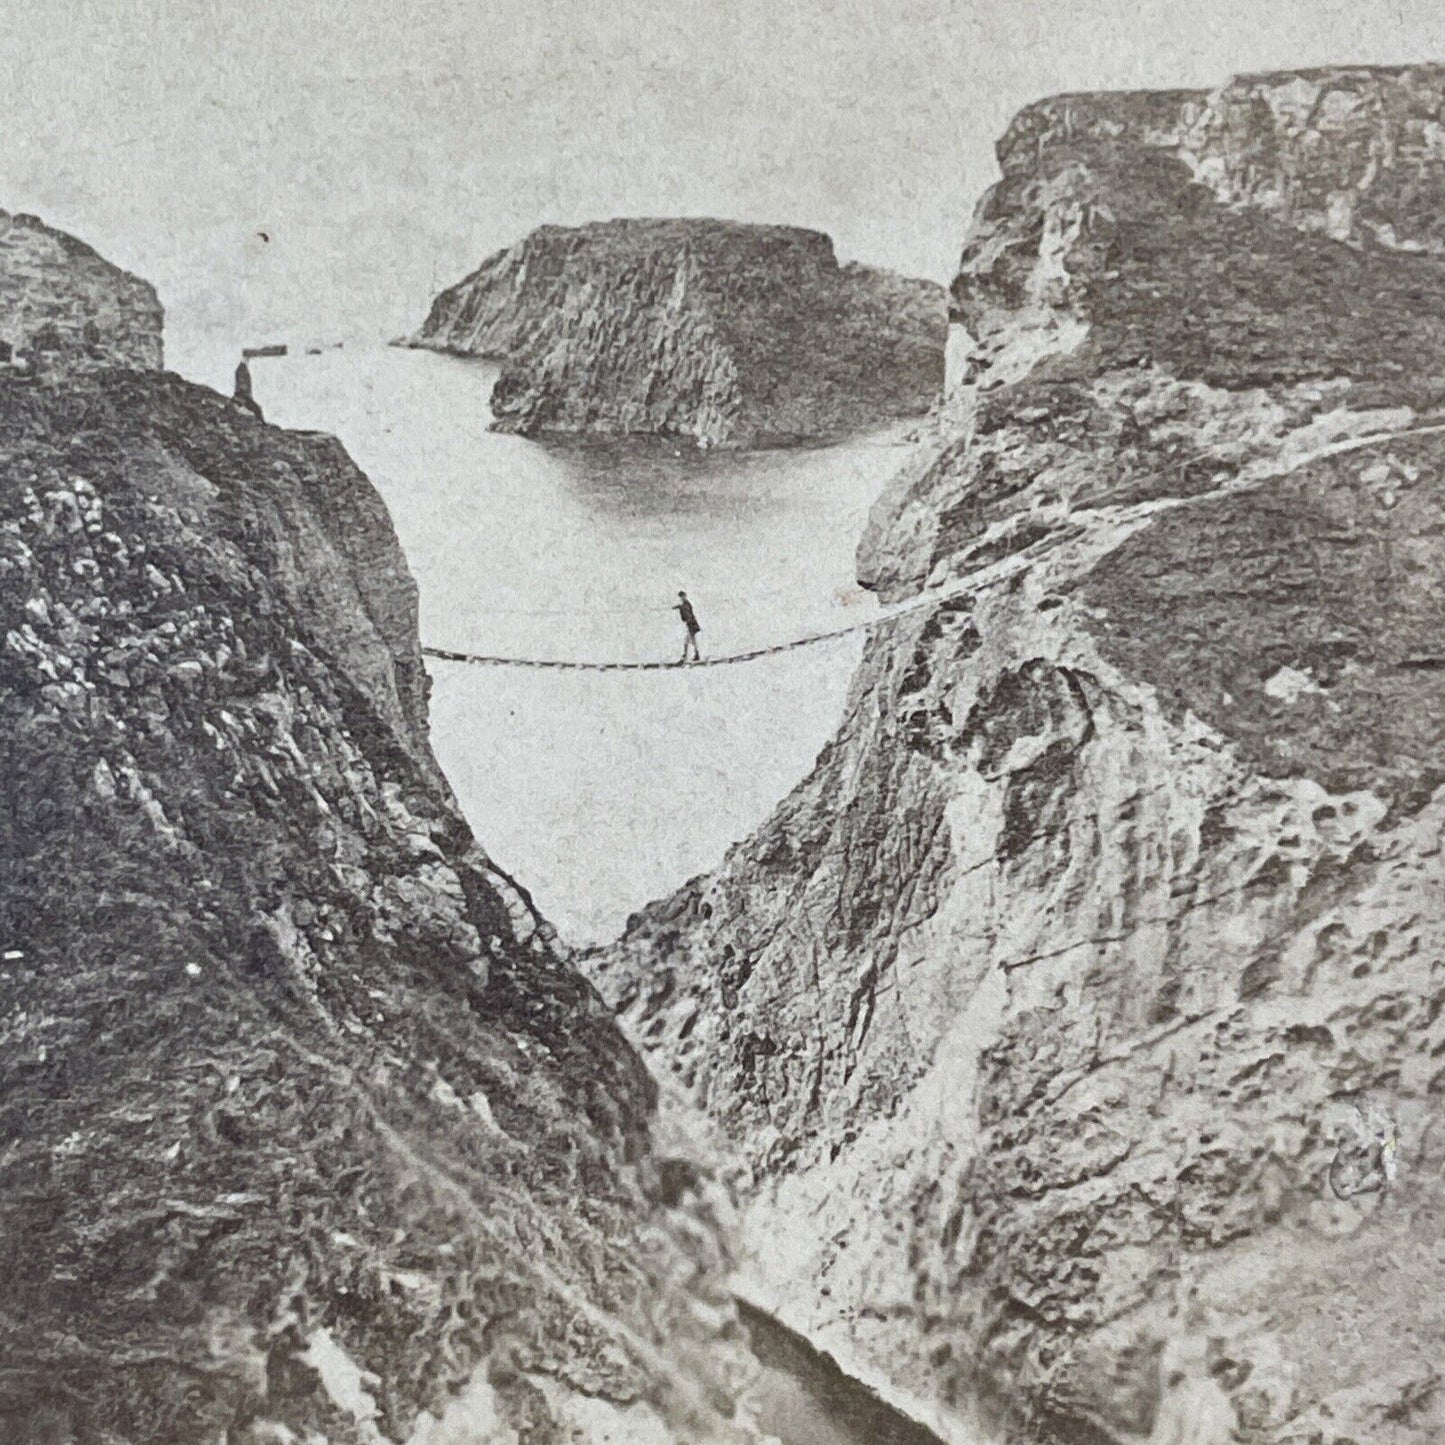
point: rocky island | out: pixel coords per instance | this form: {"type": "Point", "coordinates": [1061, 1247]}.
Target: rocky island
{"type": "Point", "coordinates": [728, 334]}
{"type": "Point", "coordinates": [1079, 1019]}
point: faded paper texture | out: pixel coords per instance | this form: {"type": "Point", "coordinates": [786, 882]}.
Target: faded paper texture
{"type": "Point", "coordinates": [720, 723]}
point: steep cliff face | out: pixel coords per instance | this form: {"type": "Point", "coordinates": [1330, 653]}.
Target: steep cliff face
{"type": "Point", "coordinates": [304, 1125]}
{"type": "Point", "coordinates": [1079, 1017]}
{"type": "Point", "coordinates": [727, 333]}
{"type": "Point", "coordinates": [62, 304]}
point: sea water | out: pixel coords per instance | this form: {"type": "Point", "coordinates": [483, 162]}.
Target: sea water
{"type": "Point", "coordinates": [601, 791]}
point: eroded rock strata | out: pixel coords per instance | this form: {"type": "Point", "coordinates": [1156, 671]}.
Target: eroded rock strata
{"type": "Point", "coordinates": [62, 305]}
{"type": "Point", "coordinates": [304, 1125]}
{"type": "Point", "coordinates": [1079, 1018]}
{"type": "Point", "coordinates": [726, 333]}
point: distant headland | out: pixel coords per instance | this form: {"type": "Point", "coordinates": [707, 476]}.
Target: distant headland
{"type": "Point", "coordinates": [727, 333]}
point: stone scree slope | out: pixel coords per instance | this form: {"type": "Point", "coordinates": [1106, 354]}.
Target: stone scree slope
{"type": "Point", "coordinates": [1079, 1019]}
{"type": "Point", "coordinates": [725, 333]}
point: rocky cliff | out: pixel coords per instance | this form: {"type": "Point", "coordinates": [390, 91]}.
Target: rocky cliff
{"type": "Point", "coordinates": [304, 1125]}
{"type": "Point", "coordinates": [730, 334]}
{"type": "Point", "coordinates": [63, 305]}
{"type": "Point", "coordinates": [1079, 1019]}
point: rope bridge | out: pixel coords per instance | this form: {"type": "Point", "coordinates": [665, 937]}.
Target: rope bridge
{"type": "Point", "coordinates": [1431, 427]}
{"type": "Point", "coordinates": [810, 639]}
{"type": "Point", "coordinates": [562, 664]}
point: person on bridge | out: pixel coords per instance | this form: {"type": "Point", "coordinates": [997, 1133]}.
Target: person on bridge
{"type": "Point", "coordinates": [692, 625]}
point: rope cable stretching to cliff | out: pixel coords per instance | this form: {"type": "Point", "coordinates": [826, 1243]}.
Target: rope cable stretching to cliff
{"type": "Point", "coordinates": [810, 639]}
{"type": "Point", "coordinates": [912, 604]}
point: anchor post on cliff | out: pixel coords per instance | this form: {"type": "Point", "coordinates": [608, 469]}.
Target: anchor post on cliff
{"type": "Point", "coordinates": [242, 394]}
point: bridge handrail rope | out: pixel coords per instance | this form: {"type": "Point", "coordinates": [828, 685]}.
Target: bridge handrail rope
{"type": "Point", "coordinates": [752, 654]}
{"type": "Point", "coordinates": [911, 604]}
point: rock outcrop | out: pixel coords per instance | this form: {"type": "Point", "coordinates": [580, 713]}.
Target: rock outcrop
{"type": "Point", "coordinates": [1079, 1019]}
{"type": "Point", "coordinates": [63, 305]}
{"type": "Point", "coordinates": [730, 334]}
{"type": "Point", "coordinates": [304, 1124]}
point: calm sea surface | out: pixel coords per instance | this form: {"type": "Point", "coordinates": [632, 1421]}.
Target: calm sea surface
{"type": "Point", "coordinates": [602, 791]}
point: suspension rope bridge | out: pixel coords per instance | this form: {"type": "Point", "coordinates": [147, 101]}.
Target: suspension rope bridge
{"type": "Point", "coordinates": [811, 639]}
{"type": "Point", "coordinates": [920, 600]}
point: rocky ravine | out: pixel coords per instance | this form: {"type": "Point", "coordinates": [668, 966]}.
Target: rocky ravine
{"type": "Point", "coordinates": [1079, 1018]}
{"type": "Point", "coordinates": [729, 334]}
{"type": "Point", "coordinates": [304, 1125]}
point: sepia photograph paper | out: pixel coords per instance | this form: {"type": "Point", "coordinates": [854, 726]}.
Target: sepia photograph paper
{"type": "Point", "coordinates": [722, 722]}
